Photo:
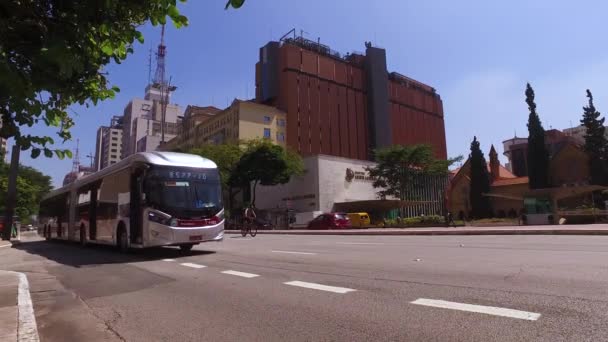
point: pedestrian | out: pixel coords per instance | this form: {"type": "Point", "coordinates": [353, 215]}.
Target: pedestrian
{"type": "Point", "coordinates": [450, 219]}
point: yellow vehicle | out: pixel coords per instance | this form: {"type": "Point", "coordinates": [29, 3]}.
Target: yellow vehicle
{"type": "Point", "coordinates": [359, 219]}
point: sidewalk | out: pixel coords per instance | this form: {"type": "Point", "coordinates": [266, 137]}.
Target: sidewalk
{"type": "Point", "coordinates": [594, 229]}
{"type": "Point", "coordinates": [17, 321]}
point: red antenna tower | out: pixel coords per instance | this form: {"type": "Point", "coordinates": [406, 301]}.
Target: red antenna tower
{"type": "Point", "coordinates": [76, 159]}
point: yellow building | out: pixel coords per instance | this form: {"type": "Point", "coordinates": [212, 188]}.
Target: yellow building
{"type": "Point", "coordinates": [243, 120]}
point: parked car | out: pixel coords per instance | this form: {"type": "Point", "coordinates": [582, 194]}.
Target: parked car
{"type": "Point", "coordinates": [359, 219]}
{"type": "Point", "coordinates": [330, 221]}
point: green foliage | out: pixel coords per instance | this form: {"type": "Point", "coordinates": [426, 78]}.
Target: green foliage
{"type": "Point", "coordinates": [397, 167]}
{"type": "Point", "coordinates": [32, 185]}
{"type": "Point", "coordinates": [235, 3]}
{"type": "Point", "coordinates": [226, 156]}
{"type": "Point", "coordinates": [480, 182]}
{"type": "Point", "coordinates": [52, 55]}
{"type": "Point", "coordinates": [267, 164]}
{"type": "Point", "coordinates": [538, 157]}
{"type": "Point", "coordinates": [596, 145]}
{"type": "Point", "coordinates": [417, 221]}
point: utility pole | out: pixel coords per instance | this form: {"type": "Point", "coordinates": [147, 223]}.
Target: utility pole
{"type": "Point", "coordinates": [11, 196]}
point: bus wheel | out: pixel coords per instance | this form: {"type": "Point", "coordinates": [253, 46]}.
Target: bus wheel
{"type": "Point", "coordinates": [83, 236]}
{"type": "Point", "coordinates": [122, 242]}
{"type": "Point", "coordinates": [185, 248]}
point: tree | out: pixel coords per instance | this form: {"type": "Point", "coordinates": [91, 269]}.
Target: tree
{"type": "Point", "coordinates": [596, 145]}
{"type": "Point", "coordinates": [267, 164]}
{"type": "Point", "coordinates": [480, 182]}
{"type": "Point", "coordinates": [538, 157]}
{"type": "Point", "coordinates": [52, 55]}
{"type": "Point", "coordinates": [398, 166]}
{"type": "Point", "coordinates": [32, 185]}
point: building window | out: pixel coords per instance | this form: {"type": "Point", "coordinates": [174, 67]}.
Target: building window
{"type": "Point", "coordinates": [113, 156]}
{"type": "Point", "coordinates": [114, 132]}
{"type": "Point", "coordinates": [267, 133]}
{"type": "Point", "coordinates": [280, 136]}
{"type": "Point", "coordinates": [114, 138]}
{"type": "Point", "coordinates": [281, 122]}
{"type": "Point", "coordinates": [114, 145]}
{"type": "Point", "coordinates": [113, 150]}
{"type": "Point", "coordinates": [266, 119]}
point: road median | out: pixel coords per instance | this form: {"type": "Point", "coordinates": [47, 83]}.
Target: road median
{"type": "Point", "coordinates": [508, 230]}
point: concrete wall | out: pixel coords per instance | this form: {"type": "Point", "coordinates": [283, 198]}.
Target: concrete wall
{"type": "Point", "coordinates": [323, 184]}
{"type": "Point", "coordinates": [334, 187]}
{"type": "Point", "coordinates": [300, 194]}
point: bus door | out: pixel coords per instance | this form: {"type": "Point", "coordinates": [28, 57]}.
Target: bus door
{"type": "Point", "coordinates": [136, 212]}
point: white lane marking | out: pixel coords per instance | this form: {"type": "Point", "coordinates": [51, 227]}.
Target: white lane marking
{"type": "Point", "coordinates": [189, 264]}
{"type": "Point", "coordinates": [6, 246]}
{"type": "Point", "coordinates": [27, 331]}
{"type": "Point", "coordinates": [314, 286]}
{"type": "Point", "coordinates": [241, 274]}
{"type": "Point", "coordinates": [490, 310]}
{"type": "Point", "coordinates": [360, 243]}
{"type": "Point", "coordinates": [169, 260]}
{"type": "Point", "coordinates": [290, 252]}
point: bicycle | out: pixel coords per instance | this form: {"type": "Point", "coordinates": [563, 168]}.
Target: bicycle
{"type": "Point", "coordinates": [250, 227]}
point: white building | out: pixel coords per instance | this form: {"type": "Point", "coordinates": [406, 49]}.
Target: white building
{"type": "Point", "coordinates": [336, 184]}
{"type": "Point", "coordinates": [142, 120]}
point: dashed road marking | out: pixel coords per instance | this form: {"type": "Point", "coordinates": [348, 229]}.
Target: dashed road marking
{"type": "Point", "coordinates": [169, 260]}
{"type": "Point", "coordinates": [189, 264]}
{"type": "Point", "coordinates": [341, 290]}
{"type": "Point", "coordinates": [489, 310]}
{"type": "Point", "coordinates": [291, 252]}
{"type": "Point", "coordinates": [241, 274]}
{"type": "Point", "coordinates": [360, 243]}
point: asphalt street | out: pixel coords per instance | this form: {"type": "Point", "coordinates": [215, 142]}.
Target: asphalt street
{"type": "Point", "coordinates": [323, 288]}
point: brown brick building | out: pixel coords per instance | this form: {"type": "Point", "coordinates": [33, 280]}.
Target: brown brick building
{"type": "Point", "coordinates": [346, 106]}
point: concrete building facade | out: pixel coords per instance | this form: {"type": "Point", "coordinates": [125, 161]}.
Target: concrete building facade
{"type": "Point", "coordinates": [578, 133]}
{"type": "Point", "coordinates": [142, 118]}
{"type": "Point", "coordinates": [349, 105]}
{"type": "Point", "coordinates": [241, 121]}
{"type": "Point", "coordinates": [108, 147]}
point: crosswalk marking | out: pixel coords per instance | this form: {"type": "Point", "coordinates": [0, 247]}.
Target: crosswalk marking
{"type": "Point", "coordinates": [489, 310]}
{"type": "Point", "coordinates": [189, 264]}
{"type": "Point", "coordinates": [341, 290]}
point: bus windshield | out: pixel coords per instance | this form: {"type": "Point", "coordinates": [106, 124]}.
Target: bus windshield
{"type": "Point", "coordinates": [184, 193]}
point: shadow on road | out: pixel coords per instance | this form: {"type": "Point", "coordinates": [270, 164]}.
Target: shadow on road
{"type": "Point", "coordinates": [72, 254]}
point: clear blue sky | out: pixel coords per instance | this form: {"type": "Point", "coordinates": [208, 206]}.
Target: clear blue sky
{"type": "Point", "coordinates": [477, 54]}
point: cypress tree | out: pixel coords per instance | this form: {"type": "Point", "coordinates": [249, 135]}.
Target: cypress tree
{"type": "Point", "coordinates": [538, 157]}
{"type": "Point", "coordinates": [596, 145]}
{"type": "Point", "coordinates": [480, 182]}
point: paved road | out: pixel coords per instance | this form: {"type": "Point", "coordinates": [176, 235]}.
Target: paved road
{"type": "Point", "coordinates": [333, 288]}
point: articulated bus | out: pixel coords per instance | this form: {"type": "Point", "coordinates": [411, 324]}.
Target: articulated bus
{"type": "Point", "coordinates": [148, 199]}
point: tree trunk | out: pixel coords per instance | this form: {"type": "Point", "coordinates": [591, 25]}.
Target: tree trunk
{"type": "Point", "coordinates": [11, 196]}
{"type": "Point", "coordinates": [255, 184]}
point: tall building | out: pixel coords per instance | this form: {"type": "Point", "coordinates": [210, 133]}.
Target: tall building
{"type": "Point", "coordinates": [153, 120]}
{"type": "Point", "coordinates": [346, 106]}
{"type": "Point", "coordinates": [242, 120]}
{"type": "Point", "coordinates": [108, 148]}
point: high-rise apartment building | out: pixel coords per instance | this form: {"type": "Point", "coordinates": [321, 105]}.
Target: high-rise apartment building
{"type": "Point", "coordinates": [142, 122]}
{"type": "Point", "coordinates": [108, 148]}
{"type": "Point", "coordinates": [346, 106]}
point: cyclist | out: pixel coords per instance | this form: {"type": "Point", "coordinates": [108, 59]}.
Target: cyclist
{"type": "Point", "coordinates": [249, 214]}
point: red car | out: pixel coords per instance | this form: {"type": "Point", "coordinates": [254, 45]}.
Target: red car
{"type": "Point", "coordinates": [330, 221]}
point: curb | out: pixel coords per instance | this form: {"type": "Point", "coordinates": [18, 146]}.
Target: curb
{"type": "Point", "coordinates": [437, 232]}
{"type": "Point", "coordinates": [27, 330]}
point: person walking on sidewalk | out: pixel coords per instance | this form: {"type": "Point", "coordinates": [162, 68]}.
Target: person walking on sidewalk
{"type": "Point", "coordinates": [450, 220]}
